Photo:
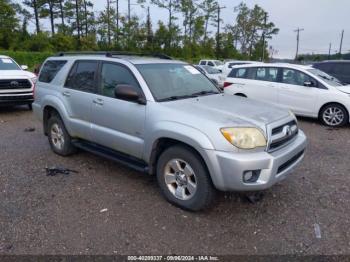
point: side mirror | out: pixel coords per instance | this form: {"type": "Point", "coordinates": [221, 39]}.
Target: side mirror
{"type": "Point", "coordinates": [309, 83]}
{"type": "Point", "coordinates": [220, 70]}
{"type": "Point", "coordinates": [24, 67]}
{"type": "Point", "coordinates": [129, 93]}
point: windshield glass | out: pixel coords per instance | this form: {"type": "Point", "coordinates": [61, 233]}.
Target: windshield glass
{"type": "Point", "coordinates": [325, 77]}
{"type": "Point", "coordinates": [175, 81]}
{"type": "Point", "coordinates": [218, 63]}
{"type": "Point", "coordinates": [8, 64]}
{"type": "Point", "coordinates": [211, 70]}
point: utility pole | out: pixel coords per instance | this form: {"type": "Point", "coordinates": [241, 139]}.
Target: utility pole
{"type": "Point", "coordinates": [329, 52]}
{"type": "Point", "coordinates": [298, 38]}
{"type": "Point", "coordinates": [218, 32]}
{"type": "Point", "coordinates": [108, 24]}
{"type": "Point", "coordinates": [341, 43]}
{"type": "Point", "coordinates": [129, 8]}
{"type": "Point", "coordinates": [117, 10]}
{"type": "Point", "coordinates": [263, 42]}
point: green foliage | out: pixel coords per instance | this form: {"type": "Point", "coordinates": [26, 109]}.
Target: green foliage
{"type": "Point", "coordinates": [31, 59]}
{"type": "Point", "coordinates": [73, 25]}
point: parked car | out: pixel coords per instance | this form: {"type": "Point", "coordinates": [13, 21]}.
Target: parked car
{"type": "Point", "coordinates": [16, 84]}
{"type": "Point", "coordinates": [305, 90]}
{"type": "Point", "coordinates": [164, 117]}
{"type": "Point", "coordinates": [213, 74]}
{"type": "Point", "coordinates": [213, 63]}
{"type": "Point", "coordinates": [230, 64]}
{"type": "Point", "coordinates": [339, 69]}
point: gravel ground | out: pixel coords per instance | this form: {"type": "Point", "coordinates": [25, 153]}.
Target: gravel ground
{"type": "Point", "coordinates": [61, 214]}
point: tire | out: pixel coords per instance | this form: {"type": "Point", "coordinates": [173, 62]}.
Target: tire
{"type": "Point", "coordinates": [59, 139]}
{"type": "Point", "coordinates": [334, 115]}
{"type": "Point", "coordinates": [191, 189]}
{"type": "Point", "coordinates": [30, 107]}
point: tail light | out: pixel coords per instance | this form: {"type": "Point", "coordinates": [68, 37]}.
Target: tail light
{"type": "Point", "coordinates": [226, 84]}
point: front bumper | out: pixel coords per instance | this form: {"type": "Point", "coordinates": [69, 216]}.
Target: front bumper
{"type": "Point", "coordinates": [227, 169]}
{"type": "Point", "coordinates": [11, 100]}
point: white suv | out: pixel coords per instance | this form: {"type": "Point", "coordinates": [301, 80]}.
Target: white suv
{"type": "Point", "coordinates": [213, 63]}
{"type": "Point", "coordinates": [304, 90]}
{"type": "Point", "coordinates": [16, 84]}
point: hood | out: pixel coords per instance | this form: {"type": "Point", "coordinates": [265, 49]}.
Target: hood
{"type": "Point", "coordinates": [226, 111]}
{"type": "Point", "coordinates": [9, 74]}
{"type": "Point", "coordinates": [345, 89]}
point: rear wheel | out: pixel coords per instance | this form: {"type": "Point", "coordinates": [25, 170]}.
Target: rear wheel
{"type": "Point", "coordinates": [184, 179]}
{"type": "Point", "coordinates": [59, 139]}
{"type": "Point", "coordinates": [334, 115]}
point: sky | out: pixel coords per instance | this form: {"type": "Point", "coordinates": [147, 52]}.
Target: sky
{"type": "Point", "coordinates": [322, 21]}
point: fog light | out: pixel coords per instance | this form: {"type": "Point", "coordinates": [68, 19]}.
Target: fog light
{"type": "Point", "coordinates": [251, 176]}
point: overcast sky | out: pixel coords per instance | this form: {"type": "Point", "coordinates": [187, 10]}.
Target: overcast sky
{"type": "Point", "coordinates": [323, 21]}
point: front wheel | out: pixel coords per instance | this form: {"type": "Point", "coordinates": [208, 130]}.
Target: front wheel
{"type": "Point", "coordinates": [184, 179]}
{"type": "Point", "coordinates": [334, 115]}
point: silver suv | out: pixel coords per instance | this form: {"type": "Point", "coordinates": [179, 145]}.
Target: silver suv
{"type": "Point", "coordinates": [164, 117]}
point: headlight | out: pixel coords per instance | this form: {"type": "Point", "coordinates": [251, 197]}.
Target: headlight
{"type": "Point", "coordinates": [34, 79]}
{"type": "Point", "coordinates": [244, 137]}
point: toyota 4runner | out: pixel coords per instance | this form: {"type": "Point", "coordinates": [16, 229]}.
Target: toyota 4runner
{"type": "Point", "coordinates": [164, 117]}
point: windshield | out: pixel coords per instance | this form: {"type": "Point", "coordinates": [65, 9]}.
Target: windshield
{"type": "Point", "coordinates": [8, 64]}
{"type": "Point", "coordinates": [218, 63]}
{"type": "Point", "coordinates": [211, 70]}
{"type": "Point", "coordinates": [175, 81]}
{"type": "Point", "coordinates": [325, 77]}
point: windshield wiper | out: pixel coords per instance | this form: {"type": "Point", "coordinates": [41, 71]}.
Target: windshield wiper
{"type": "Point", "coordinates": [172, 98]}
{"type": "Point", "coordinates": [202, 93]}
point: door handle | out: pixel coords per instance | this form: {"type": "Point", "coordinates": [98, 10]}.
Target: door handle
{"type": "Point", "coordinates": [98, 101]}
{"type": "Point", "coordinates": [66, 93]}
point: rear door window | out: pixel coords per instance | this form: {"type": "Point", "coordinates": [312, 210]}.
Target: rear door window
{"type": "Point", "coordinates": [211, 63]}
{"type": "Point", "coordinates": [269, 74]}
{"type": "Point", "coordinates": [50, 70]}
{"type": "Point", "coordinates": [203, 63]}
{"type": "Point", "coordinates": [83, 76]}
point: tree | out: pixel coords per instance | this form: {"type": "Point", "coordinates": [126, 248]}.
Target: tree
{"type": "Point", "coordinates": [171, 6]}
{"type": "Point", "coordinates": [36, 5]}
{"type": "Point", "coordinates": [49, 9]}
{"type": "Point", "coordinates": [8, 23]}
{"type": "Point", "coordinates": [209, 8]}
{"type": "Point", "coordinates": [250, 26]}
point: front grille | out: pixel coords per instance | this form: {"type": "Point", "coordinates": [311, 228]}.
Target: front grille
{"type": "Point", "coordinates": [15, 84]}
{"type": "Point", "coordinates": [283, 134]}
{"type": "Point", "coordinates": [290, 162]}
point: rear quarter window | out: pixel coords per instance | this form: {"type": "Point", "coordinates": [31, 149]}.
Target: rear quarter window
{"type": "Point", "coordinates": [50, 70]}
{"type": "Point", "coordinates": [238, 73]}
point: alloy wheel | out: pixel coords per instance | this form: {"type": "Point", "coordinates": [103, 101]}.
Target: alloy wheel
{"type": "Point", "coordinates": [57, 136]}
{"type": "Point", "coordinates": [333, 116]}
{"type": "Point", "coordinates": [180, 179]}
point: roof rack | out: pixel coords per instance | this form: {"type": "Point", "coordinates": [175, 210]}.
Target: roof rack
{"type": "Point", "coordinates": [115, 54]}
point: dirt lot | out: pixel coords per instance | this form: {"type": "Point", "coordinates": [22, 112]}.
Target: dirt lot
{"type": "Point", "coordinates": [41, 214]}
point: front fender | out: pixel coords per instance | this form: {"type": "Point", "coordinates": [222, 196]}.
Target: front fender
{"type": "Point", "coordinates": [177, 131]}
